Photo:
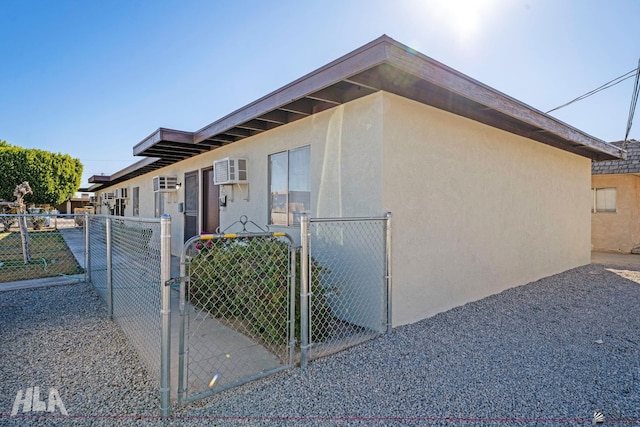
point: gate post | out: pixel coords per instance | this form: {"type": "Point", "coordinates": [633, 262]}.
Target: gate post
{"type": "Point", "coordinates": [165, 314]}
{"type": "Point", "coordinates": [87, 255]}
{"type": "Point", "coordinates": [109, 269]}
{"type": "Point", "coordinates": [304, 289]}
{"type": "Point", "coordinates": [387, 255]}
{"type": "Point", "coordinates": [183, 319]}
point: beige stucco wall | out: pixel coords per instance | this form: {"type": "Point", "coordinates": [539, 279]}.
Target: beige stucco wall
{"type": "Point", "coordinates": [475, 210]}
{"type": "Point", "coordinates": [617, 231]}
{"type": "Point", "coordinates": [346, 152]}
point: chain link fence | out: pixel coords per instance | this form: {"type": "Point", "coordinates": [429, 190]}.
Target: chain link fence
{"type": "Point", "coordinates": [348, 289]}
{"type": "Point", "coordinates": [97, 259]}
{"type": "Point", "coordinates": [52, 246]}
{"type": "Point", "coordinates": [241, 316]}
{"type": "Point", "coordinates": [124, 268]}
{"type": "Point", "coordinates": [238, 311]}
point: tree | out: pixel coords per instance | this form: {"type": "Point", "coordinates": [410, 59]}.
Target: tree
{"type": "Point", "coordinates": [54, 177]}
{"type": "Point", "coordinates": [21, 191]}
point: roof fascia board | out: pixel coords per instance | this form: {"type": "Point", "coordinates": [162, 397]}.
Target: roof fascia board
{"type": "Point", "coordinates": [369, 55]}
{"type": "Point", "coordinates": [383, 50]}
{"type": "Point", "coordinates": [94, 188]}
{"type": "Point", "coordinates": [107, 181]}
{"type": "Point", "coordinates": [162, 134]}
{"type": "Point", "coordinates": [132, 168]}
{"type": "Point", "coordinates": [440, 75]}
{"type": "Point", "coordinates": [99, 178]}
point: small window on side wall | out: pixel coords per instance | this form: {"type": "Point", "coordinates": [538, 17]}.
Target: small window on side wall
{"type": "Point", "coordinates": [158, 204]}
{"type": "Point", "coordinates": [604, 200]}
{"type": "Point", "coordinates": [289, 186]}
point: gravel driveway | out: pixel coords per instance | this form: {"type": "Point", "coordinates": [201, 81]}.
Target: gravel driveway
{"type": "Point", "coordinates": [549, 353]}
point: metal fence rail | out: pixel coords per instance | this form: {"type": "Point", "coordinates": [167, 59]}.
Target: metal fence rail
{"type": "Point", "coordinates": [237, 303]}
{"type": "Point", "coordinates": [348, 283]}
{"type": "Point", "coordinates": [47, 252]}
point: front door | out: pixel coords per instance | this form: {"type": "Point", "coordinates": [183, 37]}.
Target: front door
{"type": "Point", "coordinates": [191, 190]}
{"type": "Point", "coordinates": [210, 204]}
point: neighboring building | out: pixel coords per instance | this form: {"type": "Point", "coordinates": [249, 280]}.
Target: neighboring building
{"type": "Point", "coordinates": [615, 207]}
{"type": "Point", "coordinates": [78, 201]}
{"type": "Point", "coordinates": [486, 192]}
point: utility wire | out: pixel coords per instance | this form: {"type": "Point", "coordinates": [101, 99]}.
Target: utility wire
{"type": "Point", "coordinates": [607, 85]}
{"type": "Point", "coordinates": [632, 107]}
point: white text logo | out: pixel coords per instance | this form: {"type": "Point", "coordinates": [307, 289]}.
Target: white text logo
{"type": "Point", "coordinates": [29, 399]}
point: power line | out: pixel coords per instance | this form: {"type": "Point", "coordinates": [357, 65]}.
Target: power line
{"type": "Point", "coordinates": [607, 85]}
{"type": "Point", "coordinates": [632, 107]}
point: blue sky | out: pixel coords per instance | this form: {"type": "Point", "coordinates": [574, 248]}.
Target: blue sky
{"type": "Point", "coordinates": [94, 78]}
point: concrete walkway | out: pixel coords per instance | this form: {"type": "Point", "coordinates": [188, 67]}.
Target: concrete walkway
{"type": "Point", "coordinates": [615, 259]}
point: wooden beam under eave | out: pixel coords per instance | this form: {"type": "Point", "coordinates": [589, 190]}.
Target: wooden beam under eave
{"type": "Point", "coordinates": [301, 106]}
{"type": "Point", "coordinates": [238, 132]}
{"type": "Point", "coordinates": [253, 125]}
{"type": "Point", "coordinates": [175, 149]}
{"type": "Point", "coordinates": [367, 56]}
{"type": "Point", "coordinates": [276, 116]}
{"type": "Point", "coordinates": [331, 94]}
{"type": "Point", "coordinates": [363, 81]}
{"type": "Point", "coordinates": [211, 144]}
{"type": "Point", "coordinates": [148, 162]}
{"type": "Point", "coordinates": [170, 156]}
{"type": "Point", "coordinates": [223, 139]}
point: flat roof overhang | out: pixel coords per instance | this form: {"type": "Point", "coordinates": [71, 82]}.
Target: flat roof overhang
{"type": "Point", "coordinates": [140, 167]}
{"type": "Point", "coordinates": [381, 65]}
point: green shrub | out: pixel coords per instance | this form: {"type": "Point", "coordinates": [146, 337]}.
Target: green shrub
{"type": "Point", "coordinates": [246, 281]}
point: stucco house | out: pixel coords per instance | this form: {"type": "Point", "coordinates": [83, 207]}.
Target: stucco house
{"type": "Point", "coordinates": [486, 192]}
{"type": "Point", "coordinates": [615, 207]}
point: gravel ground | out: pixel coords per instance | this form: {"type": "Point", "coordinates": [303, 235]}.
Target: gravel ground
{"type": "Point", "coordinates": [548, 353]}
{"type": "Point", "coordinates": [60, 337]}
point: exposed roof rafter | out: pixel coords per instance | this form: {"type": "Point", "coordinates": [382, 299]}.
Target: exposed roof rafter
{"type": "Point", "coordinates": [381, 65]}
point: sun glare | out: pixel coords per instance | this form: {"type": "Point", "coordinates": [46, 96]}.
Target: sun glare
{"type": "Point", "coordinates": [464, 17]}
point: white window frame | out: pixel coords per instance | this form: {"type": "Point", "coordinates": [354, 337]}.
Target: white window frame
{"type": "Point", "coordinates": [291, 215]}
{"type": "Point", "coordinates": [604, 200]}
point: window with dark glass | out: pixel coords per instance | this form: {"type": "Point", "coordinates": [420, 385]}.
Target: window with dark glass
{"type": "Point", "coordinates": [136, 201]}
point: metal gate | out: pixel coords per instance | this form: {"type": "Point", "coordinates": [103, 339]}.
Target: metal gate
{"type": "Point", "coordinates": [346, 283]}
{"type": "Point", "coordinates": [237, 308]}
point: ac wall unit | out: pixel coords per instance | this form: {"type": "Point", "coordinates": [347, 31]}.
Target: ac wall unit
{"type": "Point", "coordinates": [122, 193]}
{"type": "Point", "coordinates": [164, 184]}
{"type": "Point", "coordinates": [230, 171]}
